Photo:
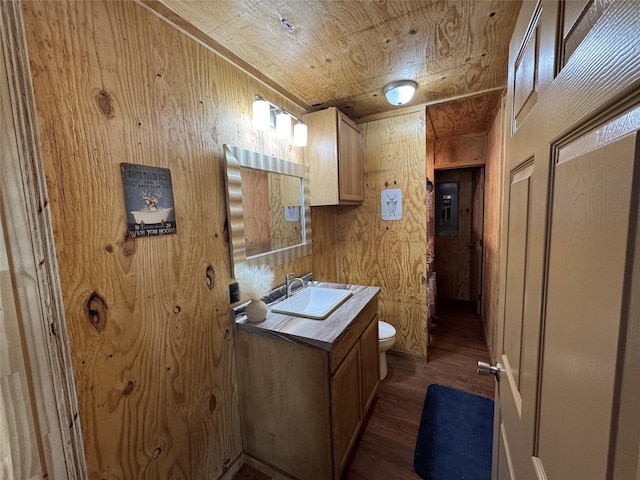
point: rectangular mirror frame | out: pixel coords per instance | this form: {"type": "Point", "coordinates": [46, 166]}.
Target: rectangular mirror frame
{"type": "Point", "coordinates": [235, 158]}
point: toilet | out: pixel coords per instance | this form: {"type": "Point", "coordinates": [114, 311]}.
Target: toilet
{"type": "Point", "coordinates": [386, 339]}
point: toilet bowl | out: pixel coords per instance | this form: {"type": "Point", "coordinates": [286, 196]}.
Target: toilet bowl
{"type": "Point", "coordinates": [386, 339]}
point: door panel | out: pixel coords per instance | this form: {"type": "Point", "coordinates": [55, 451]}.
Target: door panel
{"type": "Point", "coordinates": [567, 402]}
{"type": "Point", "coordinates": [519, 212]}
{"type": "Point", "coordinates": [505, 469]}
{"type": "Point", "coordinates": [516, 390]}
{"type": "Point", "coordinates": [587, 252]}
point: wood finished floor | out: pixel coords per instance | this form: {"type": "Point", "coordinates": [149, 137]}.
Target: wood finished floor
{"type": "Point", "coordinates": [387, 441]}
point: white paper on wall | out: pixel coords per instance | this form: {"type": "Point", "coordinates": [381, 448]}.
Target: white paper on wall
{"type": "Point", "coordinates": [292, 214]}
{"type": "Point", "coordinates": [391, 203]}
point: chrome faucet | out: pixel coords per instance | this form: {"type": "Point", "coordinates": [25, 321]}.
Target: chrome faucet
{"type": "Point", "coordinates": [290, 281]}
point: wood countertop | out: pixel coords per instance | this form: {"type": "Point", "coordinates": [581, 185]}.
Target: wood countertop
{"type": "Point", "coordinates": [323, 334]}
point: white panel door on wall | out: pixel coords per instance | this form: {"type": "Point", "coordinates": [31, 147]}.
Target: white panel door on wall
{"type": "Point", "coordinates": [569, 332]}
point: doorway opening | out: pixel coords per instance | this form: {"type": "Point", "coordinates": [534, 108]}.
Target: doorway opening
{"type": "Point", "coordinates": [459, 219]}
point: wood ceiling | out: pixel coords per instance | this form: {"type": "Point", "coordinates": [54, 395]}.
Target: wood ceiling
{"type": "Point", "coordinates": [322, 53]}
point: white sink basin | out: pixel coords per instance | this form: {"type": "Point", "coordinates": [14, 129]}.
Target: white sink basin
{"type": "Point", "coordinates": [313, 302]}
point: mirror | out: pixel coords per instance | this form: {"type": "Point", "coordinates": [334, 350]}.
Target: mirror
{"type": "Point", "coordinates": [267, 208]}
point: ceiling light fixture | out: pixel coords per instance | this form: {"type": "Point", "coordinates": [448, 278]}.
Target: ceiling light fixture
{"type": "Point", "coordinates": [263, 120]}
{"type": "Point", "coordinates": [400, 92]}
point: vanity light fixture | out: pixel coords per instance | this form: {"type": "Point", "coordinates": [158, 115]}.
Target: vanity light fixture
{"type": "Point", "coordinates": [263, 120]}
{"type": "Point", "coordinates": [400, 92]}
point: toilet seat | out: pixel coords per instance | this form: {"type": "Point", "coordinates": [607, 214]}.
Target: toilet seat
{"type": "Point", "coordinates": [385, 330]}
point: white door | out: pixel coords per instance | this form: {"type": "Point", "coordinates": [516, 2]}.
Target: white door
{"type": "Point", "coordinates": [569, 339]}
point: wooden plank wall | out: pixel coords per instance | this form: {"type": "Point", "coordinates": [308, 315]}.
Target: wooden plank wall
{"type": "Point", "coordinates": [493, 192]}
{"type": "Point", "coordinates": [461, 150]}
{"type": "Point", "coordinates": [147, 318]}
{"type": "Point", "coordinates": [390, 254]}
{"type": "Point", "coordinates": [325, 226]}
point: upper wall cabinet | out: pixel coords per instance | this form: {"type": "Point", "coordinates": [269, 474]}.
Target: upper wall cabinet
{"type": "Point", "coordinates": [335, 158]}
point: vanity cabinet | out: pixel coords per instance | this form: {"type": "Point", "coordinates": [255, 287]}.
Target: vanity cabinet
{"type": "Point", "coordinates": [335, 158]}
{"type": "Point", "coordinates": [301, 406]}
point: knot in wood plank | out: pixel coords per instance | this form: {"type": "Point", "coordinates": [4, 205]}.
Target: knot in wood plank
{"type": "Point", "coordinates": [210, 276]}
{"type": "Point", "coordinates": [97, 312]}
{"type": "Point", "coordinates": [103, 99]}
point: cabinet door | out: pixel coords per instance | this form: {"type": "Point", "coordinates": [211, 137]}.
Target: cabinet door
{"type": "Point", "coordinates": [346, 408]}
{"type": "Point", "coordinates": [350, 163]}
{"type": "Point", "coordinates": [369, 358]}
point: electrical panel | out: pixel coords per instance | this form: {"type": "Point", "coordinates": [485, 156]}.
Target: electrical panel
{"type": "Point", "coordinates": [447, 209]}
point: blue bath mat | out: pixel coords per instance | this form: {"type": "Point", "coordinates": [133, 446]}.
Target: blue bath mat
{"type": "Point", "coordinates": [455, 437]}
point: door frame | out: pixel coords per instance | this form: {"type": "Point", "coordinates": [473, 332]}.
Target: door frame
{"type": "Point", "coordinates": [476, 252]}
{"type": "Point", "coordinates": [25, 213]}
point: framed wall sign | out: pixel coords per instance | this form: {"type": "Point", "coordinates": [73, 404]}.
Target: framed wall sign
{"type": "Point", "coordinates": [148, 199]}
{"type": "Point", "coordinates": [391, 204]}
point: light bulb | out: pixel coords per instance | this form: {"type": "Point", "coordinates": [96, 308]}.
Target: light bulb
{"type": "Point", "coordinates": [261, 115]}
{"type": "Point", "coordinates": [283, 126]}
{"type": "Point", "coordinates": [300, 135]}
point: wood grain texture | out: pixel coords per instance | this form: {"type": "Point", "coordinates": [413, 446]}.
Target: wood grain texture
{"type": "Point", "coordinates": [324, 220]}
{"type": "Point", "coordinates": [343, 53]}
{"type": "Point", "coordinates": [350, 161]}
{"type": "Point", "coordinates": [156, 384]}
{"type": "Point", "coordinates": [369, 356]}
{"type": "Point", "coordinates": [47, 391]}
{"type": "Point", "coordinates": [494, 173]}
{"type": "Point", "coordinates": [347, 413]}
{"type": "Point", "coordinates": [334, 157]}
{"type": "Point", "coordinates": [461, 151]}
{"type": "Point", "coordinates": [285, 423]}
{"type": "Point", "coordinates": [469, 115]}
{"type": "Point", "coordinates": [390, 254]}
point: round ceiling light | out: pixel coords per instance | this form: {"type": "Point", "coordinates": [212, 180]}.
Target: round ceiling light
{"type": "Point", "coordinates": [400, 92]}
